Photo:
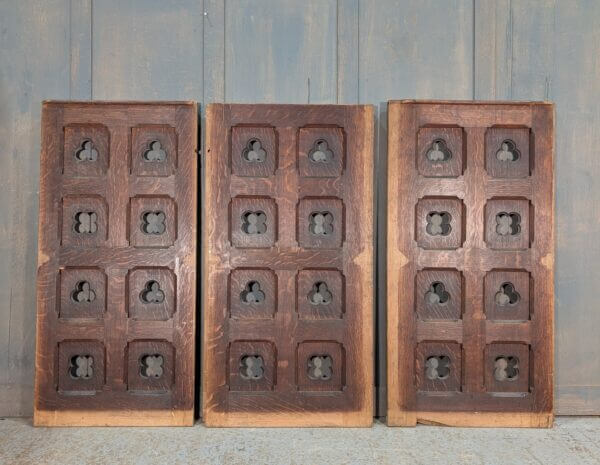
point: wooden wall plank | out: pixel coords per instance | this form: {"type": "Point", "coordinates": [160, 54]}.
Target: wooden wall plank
{"type": "Point", "coordinates": [347, 50]}
{"type": "Point", "coordinates": [280, 51]}
{"type": "Point", "coordinates": [147, 50]}
{"type": "Point", "coordinates": [35, 53]}
{"type": "Point", "coordinates": [80, 22]}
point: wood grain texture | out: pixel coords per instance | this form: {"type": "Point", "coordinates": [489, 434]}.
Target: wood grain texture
{"type": "Point", "coordinates": [463, 364]}
{"type": "Point", "coordinates": [125, 342]}
{"type": "Point", "coordinates": [285, 394]}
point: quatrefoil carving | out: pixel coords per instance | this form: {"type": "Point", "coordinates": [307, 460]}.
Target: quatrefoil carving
{"type": "Point", "coordinates": [508, 223]}
{"type": "Point", "coordinates": [437, 294]}
{"type": "Point", "coordinates": [86, 152]}
{"type": "Point", "coordinates": [153, 222]}
{"type": "Point", "coordinates": [321, 223]}
{"type": "Point", "coordinates": [254, 152]}
{"type": "Point", "coordinates": [254, 222]}
{"type": "Point", "coordinates": [152, 293]}
{"type": "Point", "coordinates": [151, 366]}
{"type": "Point", "coordinates": [83, 293]}
{"type": "Point", "coordinates": [438, 223]}
{"type": "Point", "coordinates": [320, 367]}
{"type": "Point", "coordinates": [320, 153]}
{"type": "Point", "coordinates": [252, 367]}
{"type": "Point", "coordinates": [507, 295]}
{"type": "Point", "coordinates": [438, 151]}
{"type": "Point", "coordinates": [320, 294]}
{"type": "Point", "coordinates": [85, 222]}
{"type": "Point", "coordinates": [252, 293]}
{"type": "Point", "coordinates": [437, 367]}
{"type": "Point", "coordinates": [506, 368]}
{"type": "Point", "coordinates": [81, 367]}
{"type": "Point", "coordinates": [155, 152]}
{"type": "Point", "coordinates": [508, 151]}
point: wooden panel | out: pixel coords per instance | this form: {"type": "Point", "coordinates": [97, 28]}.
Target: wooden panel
{"type": "Point", "coordinates": [274, 241]}
{"type": "Point", "coordinates": [117, 265]}
{"type": "Point", "coordinates": [492, 226]}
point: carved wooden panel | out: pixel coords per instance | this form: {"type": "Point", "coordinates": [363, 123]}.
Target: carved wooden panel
{"type": "Point", "coordinates": [470, 263]}
{"type": "Point", "coordinates": [117, 264]}
{"type": "Point", "coordinates": [288, 266]}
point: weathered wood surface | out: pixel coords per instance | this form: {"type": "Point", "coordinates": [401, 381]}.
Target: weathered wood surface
{"type": "Point", "coordinates": [377, 50]}
{"type": "Point", "coordinates": [288, 258]}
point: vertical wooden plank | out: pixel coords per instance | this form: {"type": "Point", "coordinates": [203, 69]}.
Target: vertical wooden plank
{"type": "Point", "coordinates": [408, 50]}
{"type": "Point", "coordinates": [80, 23]}
{"type": "Point", "coordinates": [280, 51]}
{"type": "Point", "coordinates": [347, 50]}
{"type": "Point", "coordinates": [214, 51]}
{"type": "Point", "coordinates": [576, 90]}
{"type": "Point", "coordinates": [147, 49]}
{"type": "Point", "coordinates": [35, 54]}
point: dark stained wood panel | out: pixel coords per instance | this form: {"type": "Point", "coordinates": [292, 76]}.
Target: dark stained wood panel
{"type": "Point", "coordinates": [117, 264]}
{"type": "Point", "coordinates": [470, 263]}
{"type": "Point", "coordinates": [288, 266]}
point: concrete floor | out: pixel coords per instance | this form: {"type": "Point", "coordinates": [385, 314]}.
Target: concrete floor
{"type": "Point", "coordinates": [573, 441]}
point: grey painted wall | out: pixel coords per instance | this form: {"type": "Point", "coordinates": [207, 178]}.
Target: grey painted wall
{"type": "Point", "coordinates": [317, 51]}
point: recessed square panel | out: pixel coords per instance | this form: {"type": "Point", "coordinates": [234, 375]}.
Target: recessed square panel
{"type": "Point", "coordinates": [80, 367]}
{"type": "Point", "coordinates": [507, 367]}
{"type": "Point", "coordinates": [86, 150]}
{"type": "Point", "coordinates": [440, 152]}
{"type": "Point", "coordinates": [439, 223]}
{"type": "Point", "coordinates": [321, 366]}
{"type": "Point", "coordinates": [153, 150]}
{"type": "Point", "coordinates": [507, 295]}
{"type": "Point", "coordinates": [253, 151]}
{"type": "Point", "coordinates": [507, 224]}
{"type": "Point", "coordinates": [151, 293]}
{"type": "Point", "coordinates": [253, 222]}
{"type": "Point", "coordinates": [252, 366]}
{"type": "Point", "coordinates": [321, 223]}
{"type": "Point", "coordinates": [150, 366]}
{"type": "Point", "coordinates": [320, 294]}
{"type": "Point", "coordinates": [439, 294]}
{"type": "Point", "coordinates": [84, 221]}
{"type": "Point", "coordinates": [252, 293]}
{"type": "Point", "coordinates": [321, 152]}
{"type": "Point", "coordinates": [82, 292]}
{"type": "Point", "coordinates": [152, 221]}
{"type": "Point", "coordinates": [438, 366]}
{"type": "Point", "coordinates": [507, 152]}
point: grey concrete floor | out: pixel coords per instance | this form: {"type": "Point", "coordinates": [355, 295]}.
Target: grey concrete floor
{"type": "Point", "coordinates": [573, 441]}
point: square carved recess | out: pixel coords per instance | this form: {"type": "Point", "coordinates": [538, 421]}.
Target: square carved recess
{"type": "Point", "coordinates": [321, 366]}
{"type": "Point", "coordinates": [80, 367]}
{"type": "Point", "coordinates": [439, 294]}
{"type": "Point", "coordinates": [507, 294]}
{"type": "Point", "coordinates": [321, 294]}
{"type": "Point", "coordinates": [84, 221]}
{"type": "Point", "coordinates": [507, 224]}
{"type": "Point", "coordinates": [151, 293]}
{"type": "Point", "coordinates": [253, 222]}
{"type": "Point", "coordinates": [321, 223]}
{"type": "Point", "coordinates": [321, 152]}
{"type": "Point", "coordinates": [253, 151]}
{"type": "Point", "coordinates": [82, 293]}
{"type": "Point", "coordinates": [441, 152]}
{"type": "Point", "coordinates": [153, 150]}
{"type": "Point", "coordinates": [507, 367]}
{"type": "Point", "coordinates": [252, 366]}
{"type": "Point", "coordinates": [439, 223]}
{"type": "Point", "coordinates": [507, 152]}
{"type": "Point", "coordinates": [252, 293]}
{"type": "Point", "coordinates": [438, 366]}
{"type": "Point", "coordinates": [152, 221]}
{"type": "Point", "coordinates": [150, 365]}
{"type": "Point", "coordinates": [86, 150]}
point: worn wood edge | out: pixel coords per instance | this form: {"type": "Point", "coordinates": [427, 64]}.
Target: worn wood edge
{"type": "Point", "coordinates": [360, 419]}
{"type": "Point", "coordinates": [119, 102]}
{"type": "Point", "coordinates": [113, 417]}
{"type": "Point", "coordinates": [486, 419]}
